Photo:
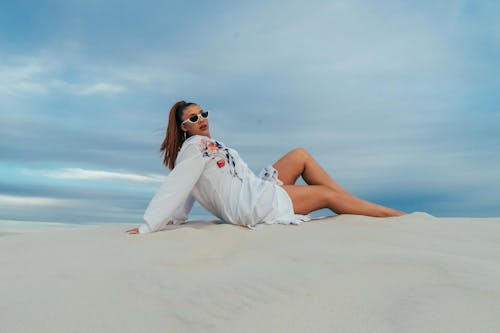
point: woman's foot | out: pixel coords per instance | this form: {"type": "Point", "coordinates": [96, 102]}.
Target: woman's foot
{"type": "Point", "coordinates": [389, 212]}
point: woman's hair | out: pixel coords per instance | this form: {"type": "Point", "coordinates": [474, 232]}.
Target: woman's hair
{"type": "Point", "coordinates": [174, 137]}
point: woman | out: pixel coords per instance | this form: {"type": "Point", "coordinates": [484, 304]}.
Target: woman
{"type": "Point", "coordinates": [208, 171]}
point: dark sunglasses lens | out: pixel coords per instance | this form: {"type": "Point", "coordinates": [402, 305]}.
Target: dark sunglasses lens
{"type": "Point", "coordinates": [193, 119]}
{"type": "Point", "coordinates": [204, 114]}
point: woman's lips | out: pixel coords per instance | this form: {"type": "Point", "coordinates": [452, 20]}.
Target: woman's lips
{"type": "Point", "coordinates": [203, 127]}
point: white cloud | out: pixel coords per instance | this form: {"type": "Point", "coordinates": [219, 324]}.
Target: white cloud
{"type": "Point", "coordinates": [83, 174]}
{"type": "Point", "coordinates": [100, 88]}
{"type": "Point", "coordinates": [14, 200]}
{"type": "Point", "coordinates": [21, 76]}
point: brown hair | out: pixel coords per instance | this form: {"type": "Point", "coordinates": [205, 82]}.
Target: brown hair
{"type": "Point", "coordinates": [174, 136]}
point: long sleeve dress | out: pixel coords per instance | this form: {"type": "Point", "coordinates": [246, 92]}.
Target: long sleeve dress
{"type": "Point", "coordinates": [213, 174]}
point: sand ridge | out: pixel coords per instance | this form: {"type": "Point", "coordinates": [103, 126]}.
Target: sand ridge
{"type": "Point", "coordinates": [346, 273]}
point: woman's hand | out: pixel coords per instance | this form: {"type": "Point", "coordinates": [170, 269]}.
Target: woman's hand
{"type": "Point", "coordinates": [133, 231]}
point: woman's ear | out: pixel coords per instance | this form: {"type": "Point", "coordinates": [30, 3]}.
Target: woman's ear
{"type": "Point", "coordinates": [183, 128]}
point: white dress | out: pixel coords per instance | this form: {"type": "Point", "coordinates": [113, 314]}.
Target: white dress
{"type": "Point", "coordinates": [213, 174]}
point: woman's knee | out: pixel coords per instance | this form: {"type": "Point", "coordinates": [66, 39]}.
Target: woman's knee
{"type": "Point", "coordinates": [300, 153]}
{"type": "Point", "coordinates": [328, 196]}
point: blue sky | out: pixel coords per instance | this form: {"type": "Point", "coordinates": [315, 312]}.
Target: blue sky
{"type": "Point", "coordinates": [397, 100]}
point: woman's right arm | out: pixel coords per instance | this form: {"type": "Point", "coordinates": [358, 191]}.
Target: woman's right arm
{"type": "Point", "coordinates": [175, 190]}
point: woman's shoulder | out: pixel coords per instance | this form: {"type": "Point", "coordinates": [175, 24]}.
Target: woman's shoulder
{"type": "Point", "coordinates": [201, 141]}
{"type": "Point", "coordinates": [195, 142]}
{"type": "Point", "coordinates": [205, 145]}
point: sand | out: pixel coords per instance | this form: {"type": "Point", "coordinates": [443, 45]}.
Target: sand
{"type": "Point", "coordinates": [346, 273]}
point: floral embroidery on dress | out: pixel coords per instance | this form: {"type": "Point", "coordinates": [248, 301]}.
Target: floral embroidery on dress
{"type": "Point", "coordinates": [221, 154]}
{"type": "Point", "coordinates": [269, 173]}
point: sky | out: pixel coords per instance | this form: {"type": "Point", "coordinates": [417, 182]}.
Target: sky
{"type": "Point", "coordinates": [397, 100]}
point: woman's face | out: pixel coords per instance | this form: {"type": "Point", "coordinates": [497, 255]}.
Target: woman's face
{"type": "Point", "coordinates": [198, 128]}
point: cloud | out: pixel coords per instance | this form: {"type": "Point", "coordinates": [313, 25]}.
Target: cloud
{"type": "Point", "coordinates": [82, 174]}
{"type": "Point", "coordinates": [21, 77]}
{"type": "Point", "coordinates": [101, 88]}
{"type": "Point", "coordinates": [36, 75]}
{"type": "Point", "coordinates": [98, 88]}
{"type": "Point", "coordinates": [34, 201]}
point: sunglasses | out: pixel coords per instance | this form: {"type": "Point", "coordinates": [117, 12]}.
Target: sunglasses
{"type": "Point", "coordinates": [196, 118]}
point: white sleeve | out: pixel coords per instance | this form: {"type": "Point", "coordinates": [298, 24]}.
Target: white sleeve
{"type": "Point", "coordinates": [175, 190]}
{"type": "Point", "coordinates": [181, 214]}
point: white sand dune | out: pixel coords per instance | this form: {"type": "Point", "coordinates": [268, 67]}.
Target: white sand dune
{"type": "Point", "coordinates": [348, 273]}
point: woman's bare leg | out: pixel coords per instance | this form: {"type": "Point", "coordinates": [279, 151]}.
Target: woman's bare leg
{"type": "Point", "coordinates": [299, 162]}
{"type": "Point", "coordinates": [308, 198]}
